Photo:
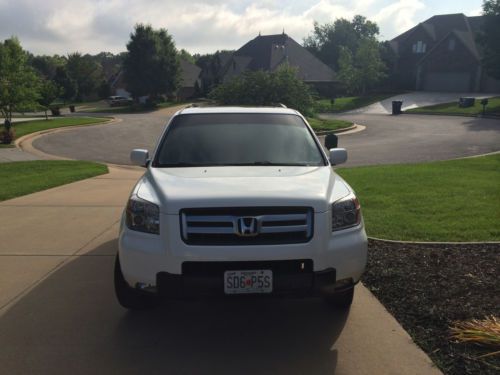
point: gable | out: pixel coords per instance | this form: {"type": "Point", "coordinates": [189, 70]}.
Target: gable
{"type": "Point", "coordinates": [268, 52]}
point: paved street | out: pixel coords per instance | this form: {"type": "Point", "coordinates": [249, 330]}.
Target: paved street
{"type": "Point", "coordinates": [417, 138]}
{"type": "Point", "coordinates": [109, 143]}
{"type": "Point", "coordinates": [387, 139]}
{"type": "Point", "coordinates": [58, 313]}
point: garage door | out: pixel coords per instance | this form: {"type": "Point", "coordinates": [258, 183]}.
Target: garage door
{"type": "Point", "coordinates": [454, 82]}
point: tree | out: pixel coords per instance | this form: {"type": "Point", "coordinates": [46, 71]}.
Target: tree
{"type": "Point", "coordinates": [18, 81]}
{"type": "Point", "coordinates": [266, 88]}
{"type": "Point", "coordinates": [46, 65]}
{"type": "Point", "coordinates": [489, 37]}
{"type": "Point", "coordinates": [151, 66]}
{"type": "Point", "coordinates": [185, 55]}
{"type": "Point", "coordinates": [104, 89]}
{"type": "Point", "coordinates": [327, 40]}
{"type": "Point", "coordinates": [370, 67]}
{"type": "Point", "coordinates": [85, 72]}
{"type": "Point", "coordinates": [347, 73]}
{"type": "Point", "coordinates": [68, 86]}
{"type": "Point", "coordinates": [49, 91]}
{"type": "Point", "coordinates": [212, 65]}
{"type": "Point", "coordinates": [362, 71]}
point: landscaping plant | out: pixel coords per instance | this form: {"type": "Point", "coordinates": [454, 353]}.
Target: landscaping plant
{"type": "Point", "coordinates": [483, 332]}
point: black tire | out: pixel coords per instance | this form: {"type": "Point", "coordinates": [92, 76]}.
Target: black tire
{"type": "Point", "coordinates": [129, 297]}
{"type": "Point", "coordinates": [342, 299]}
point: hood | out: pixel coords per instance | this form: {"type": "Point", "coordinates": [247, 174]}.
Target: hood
{"type": "Point", "coordinates": [176, 188]}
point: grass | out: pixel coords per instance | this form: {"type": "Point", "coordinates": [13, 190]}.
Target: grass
{"type": "Point", "coordinates": [493, 108]}
{"type": "Point", "coordinates": [349, 103]}
{"type": "Point", "coordinates": [26, 177]}
{"type": "Point", "coordinates": [103, 107]}
{"type": "Point", "coordinates": [324, 125]}
{"type": "Point", "coordinates": [6, 146]}
{"type": "Point", "coordinates": [456, 200]}
{"type": "Point", "coordinates": [28, 127]}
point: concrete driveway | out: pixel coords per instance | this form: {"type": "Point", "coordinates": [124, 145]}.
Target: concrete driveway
{"type": "Point", "coordinates": [417, 99]}
{"type": "Point", "coordinates": [58, 313]}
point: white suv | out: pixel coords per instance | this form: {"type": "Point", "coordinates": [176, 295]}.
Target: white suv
{"type": "Point", "coordinates": [239, 201]}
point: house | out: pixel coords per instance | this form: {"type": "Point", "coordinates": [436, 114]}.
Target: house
{"type": "Point", "coordinates": [268, 52]}
{"type": "Point", "coordinates": [441, 54]}
{"type": "Point", "coordinates": [189, 82]}
{"type": "Point", "coordinates": [211, 69]}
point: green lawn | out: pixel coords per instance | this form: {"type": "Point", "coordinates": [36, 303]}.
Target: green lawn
{"type": "Point", "coordinates": [103, 107]}
{"type": "Point", "coordinates": [323, 125]}
{"type": "Point", "coordinates": [348, 103]}
{"type": "Point", "coordinates": [456, 200]}
{"type": "Point", "coordinates": [493, 107]}
{"type": "Point", "coordinates": [26, 177]}
{"type": "Point", "coordinates": [28, 127]}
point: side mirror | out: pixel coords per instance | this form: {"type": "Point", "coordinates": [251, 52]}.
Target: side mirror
{"type": "Point", "coordinates": [139, 157]}
{"type": "Point", "coordinates": [331, 141]}
{"type": "Point", "coordinates": [338, 156]}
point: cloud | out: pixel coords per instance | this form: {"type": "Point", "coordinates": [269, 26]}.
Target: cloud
{"type": "Point", "coordinates": [59, 26]}
{"type": "Point", "coordinates": [399, 16]}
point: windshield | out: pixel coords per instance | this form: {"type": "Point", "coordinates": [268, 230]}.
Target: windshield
{"type": "Point", "coordinates": [238, 139]}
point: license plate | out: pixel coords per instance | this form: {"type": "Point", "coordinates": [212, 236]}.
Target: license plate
{"type": "Point", "coordinates": [248, 281]}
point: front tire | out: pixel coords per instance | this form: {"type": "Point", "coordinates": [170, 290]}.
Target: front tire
{"type": "Point", "coordinates": [128, 297]}
{"type": "Point", "coordinates": [342, 299]}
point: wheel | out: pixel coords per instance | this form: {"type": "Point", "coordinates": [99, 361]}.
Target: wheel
{"type": "Point", "coordinates": [129, 297]}
{"type": "Point", "coordinates": [342, 299]}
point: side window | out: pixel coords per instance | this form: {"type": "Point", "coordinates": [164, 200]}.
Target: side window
{"type": "Point", "coordinates": [419, 47]}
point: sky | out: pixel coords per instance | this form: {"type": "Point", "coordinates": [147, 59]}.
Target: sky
{"type": "Point", "coordinates": [199, 26]}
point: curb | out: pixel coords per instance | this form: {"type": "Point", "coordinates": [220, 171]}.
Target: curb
{"type": "Point", "coordinates": [25, 143]}
{"type": "Point", "coordinates": [434, 242]}
{"type": "Point", "coordinates": [452, 114]}
{"type": "Point", "coordinates": [326, 132]}
{"type": "Point", "coordinates": [355, 128]}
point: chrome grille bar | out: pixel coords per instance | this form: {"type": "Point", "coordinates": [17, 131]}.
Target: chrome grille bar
{"type": "Point", "coordinates": [211, 226]}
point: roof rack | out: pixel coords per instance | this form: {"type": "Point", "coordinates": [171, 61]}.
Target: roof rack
{"type": "Point", "coordinates": [278, 105]}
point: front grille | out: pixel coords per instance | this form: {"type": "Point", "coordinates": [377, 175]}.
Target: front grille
{"type": "Point", "coordinates": [266, 225]}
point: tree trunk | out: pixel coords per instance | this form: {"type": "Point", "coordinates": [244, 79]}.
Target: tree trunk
{"type": "Point", "coordinates": [46, 116]}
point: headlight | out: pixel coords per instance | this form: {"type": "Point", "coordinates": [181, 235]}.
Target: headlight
{"type": "Point", "coordinates": [346, 213]}
{"type": "Point", "coordinates": [142, 216]}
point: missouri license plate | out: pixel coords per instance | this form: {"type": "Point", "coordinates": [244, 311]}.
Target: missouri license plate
{"type": "Point", "coordinates": [248, 281]}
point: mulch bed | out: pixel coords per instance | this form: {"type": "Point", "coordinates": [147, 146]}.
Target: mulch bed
{"type": "Point", "coordinates": [428, 287]}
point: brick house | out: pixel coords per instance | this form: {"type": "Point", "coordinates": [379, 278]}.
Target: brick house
{"type": "Point", "coordinates": [441, 54]}
{"type": "Point", "coordinates": [268, 52]}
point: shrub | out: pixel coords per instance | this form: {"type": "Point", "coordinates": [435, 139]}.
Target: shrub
{"type": "Point", "coordinates": [266, 88]}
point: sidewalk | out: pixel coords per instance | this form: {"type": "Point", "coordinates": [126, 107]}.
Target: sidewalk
{"type": "Point", "coordinates": [58, 312]}
{"type": "Point", "coordinates": [15, 154]}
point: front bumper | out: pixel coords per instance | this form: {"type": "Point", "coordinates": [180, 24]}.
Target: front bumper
{"type": "Point", "coordinates": [291, 277]}
{"type": "Point", "coordinates": [164, 263]}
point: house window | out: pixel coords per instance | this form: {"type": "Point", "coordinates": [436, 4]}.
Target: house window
{"type": "Point", "coordinates": [419, 47]}
{"type": "Point", "coordinates": [451, 44]}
